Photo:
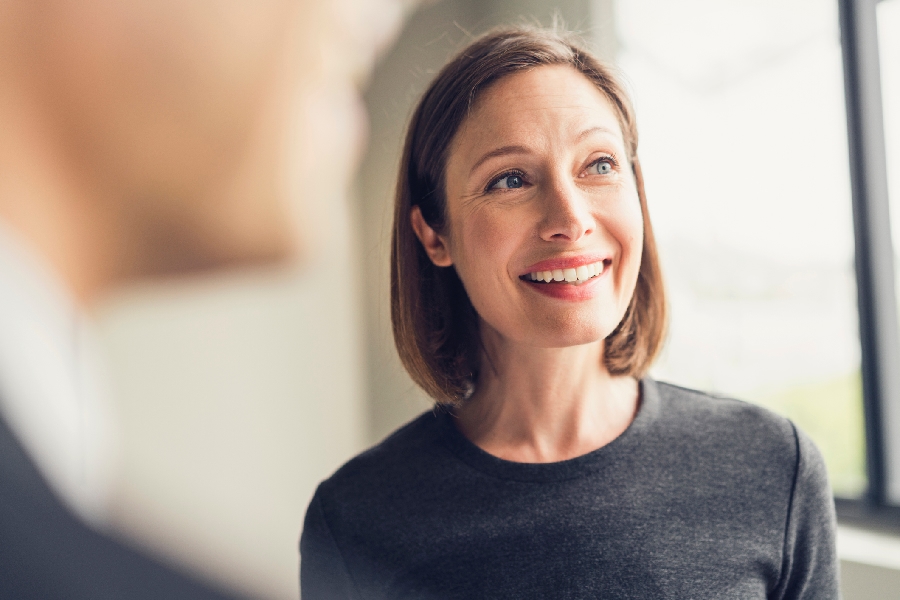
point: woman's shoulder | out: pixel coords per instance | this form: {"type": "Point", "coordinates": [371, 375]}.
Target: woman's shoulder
{"type": "Point", "coordinates": [685, 407]}
{"type": "Point", "coordinates": [732, 431]}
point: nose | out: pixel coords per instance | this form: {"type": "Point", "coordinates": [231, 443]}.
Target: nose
{"type": "Point", "coordinates": [567, 214]}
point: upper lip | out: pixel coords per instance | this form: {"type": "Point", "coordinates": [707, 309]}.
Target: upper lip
{"type": "Point", "coordinates": [568, 262]}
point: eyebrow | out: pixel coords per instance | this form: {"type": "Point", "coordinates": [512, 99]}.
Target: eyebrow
{"type": "Point", "coordinates": [503, 151]}
{"type": "Point", "coordinates": [507, 150]}
{"type": "Point", "coordinates": [593, 130]}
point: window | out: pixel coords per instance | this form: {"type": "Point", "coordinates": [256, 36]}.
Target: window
{"type": "Point", "coordinates": [744, 151]}
{"type": "Point", "coordinates": [888, 16]}
{"type": "Point", "coordinates": [861, 23]}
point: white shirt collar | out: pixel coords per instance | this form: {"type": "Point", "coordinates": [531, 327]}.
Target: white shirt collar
{"type": "Point", "coordinates": [51, 394]}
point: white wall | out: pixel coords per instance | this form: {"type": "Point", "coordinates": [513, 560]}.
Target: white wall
{"type": "Point", "coordinates": [236, 397]}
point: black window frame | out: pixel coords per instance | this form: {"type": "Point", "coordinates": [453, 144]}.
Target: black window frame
{"type": "Point", "coordinates": [874, 261]}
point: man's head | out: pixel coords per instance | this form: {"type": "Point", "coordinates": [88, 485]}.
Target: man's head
{"type": "Point", "coordinates": [152, 137]}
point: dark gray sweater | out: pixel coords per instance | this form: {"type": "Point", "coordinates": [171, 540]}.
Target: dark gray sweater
{"type": "Point", "coordinates": [701, 497]}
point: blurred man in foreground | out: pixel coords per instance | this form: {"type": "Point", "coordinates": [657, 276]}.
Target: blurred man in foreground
{"type": "Point", "coordinates": [143, 139]}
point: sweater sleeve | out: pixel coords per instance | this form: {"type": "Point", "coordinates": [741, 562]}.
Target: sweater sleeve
{"type": "Point", "coordinates": [809, 563]}
{"type": "Point", "coordinates": [323, 572]}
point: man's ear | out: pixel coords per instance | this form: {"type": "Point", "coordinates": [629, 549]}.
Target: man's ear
{"type": "Point", "coordinates": [435, 245]}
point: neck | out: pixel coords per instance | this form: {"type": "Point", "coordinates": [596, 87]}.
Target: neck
{"type": "Point", "coordinates": [545, 404]}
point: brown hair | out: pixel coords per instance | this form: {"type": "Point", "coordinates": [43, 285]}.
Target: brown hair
{"type": "Point", "coordinates": [435, 325]}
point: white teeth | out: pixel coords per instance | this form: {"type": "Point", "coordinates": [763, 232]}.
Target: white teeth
{"type": "Point", "coordinates": [578, 274]}
{"type": "Point", "coordinates": [582, 273]}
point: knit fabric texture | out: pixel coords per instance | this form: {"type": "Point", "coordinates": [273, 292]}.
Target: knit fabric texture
{"type": "Point", "coordinates": [701, 497]}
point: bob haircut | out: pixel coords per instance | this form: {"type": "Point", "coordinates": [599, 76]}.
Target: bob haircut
{"type": "Point", "coordinates": [435, 325]}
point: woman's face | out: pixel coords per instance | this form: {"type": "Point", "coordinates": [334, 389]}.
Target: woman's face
{"type": "Point", "coordinates": [544, 222]}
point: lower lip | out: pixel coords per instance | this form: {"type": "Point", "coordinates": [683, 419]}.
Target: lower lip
{"type": "Point", "coordinates": [566, 291]}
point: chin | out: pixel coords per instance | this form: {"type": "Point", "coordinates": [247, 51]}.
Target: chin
{"type": "Point", "coordinates": [572, 334]}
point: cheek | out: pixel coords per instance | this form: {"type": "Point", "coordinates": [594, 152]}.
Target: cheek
{"type": "Point", "coordinates": [627, 227]}
{"type": "Point", "coordinates": [633, 230]}
{"type": "Point", "coordinates": [482, 249]}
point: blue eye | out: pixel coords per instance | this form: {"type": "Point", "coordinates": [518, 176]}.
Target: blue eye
{"type": "Point", "coordinates": [602, 167]}
{"type": "Point", "coordinates": [508, 182]}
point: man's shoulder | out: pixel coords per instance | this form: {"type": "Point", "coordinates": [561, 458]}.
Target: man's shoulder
{"type": "Point", "coordinates": [49, 553]}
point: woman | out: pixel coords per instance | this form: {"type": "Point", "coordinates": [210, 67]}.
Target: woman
{"type": "Point", "coordinates": [527, 301]}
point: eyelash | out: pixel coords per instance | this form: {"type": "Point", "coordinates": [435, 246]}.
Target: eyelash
{"type": "Point", "coordinates": [608, 158]}
{"type": "Point", "coordinates": [494, 180]}
{"type": "Point", "coordinates": [510, 173]}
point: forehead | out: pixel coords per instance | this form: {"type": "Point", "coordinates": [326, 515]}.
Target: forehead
{"type": "Point", "coordinates": [553, 102]}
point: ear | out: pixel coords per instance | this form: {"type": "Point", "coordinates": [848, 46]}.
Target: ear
{"type": "Point", "coordinates": [435, 245]}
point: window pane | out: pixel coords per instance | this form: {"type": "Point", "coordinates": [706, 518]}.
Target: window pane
{"type": "Point", "coordinates": [889, 57]}
{"type": "Point", "coordinates": [744, 150]}
{"type": "Point", "coordinates": [888, 15]}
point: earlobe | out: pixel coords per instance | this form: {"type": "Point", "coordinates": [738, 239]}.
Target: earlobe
{"type": "Point", "coordinates": [435, 245]}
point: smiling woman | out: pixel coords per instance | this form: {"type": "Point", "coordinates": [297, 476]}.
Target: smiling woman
{"type": "Point", "coordinates": [527, 301]}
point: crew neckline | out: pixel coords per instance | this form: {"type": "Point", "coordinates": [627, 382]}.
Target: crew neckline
{"type": "Point", "coordinates": [579, 466]}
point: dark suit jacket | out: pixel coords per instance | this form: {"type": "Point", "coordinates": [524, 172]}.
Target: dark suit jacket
{"type": "Point", "coordinates": [46, 552]}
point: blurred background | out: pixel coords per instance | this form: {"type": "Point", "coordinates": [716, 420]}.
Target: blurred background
{"type": "Point", "coordinates": [237, 395]}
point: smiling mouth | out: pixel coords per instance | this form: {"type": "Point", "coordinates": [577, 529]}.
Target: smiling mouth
{"type": "Point", "coordinates": [575, 276]}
